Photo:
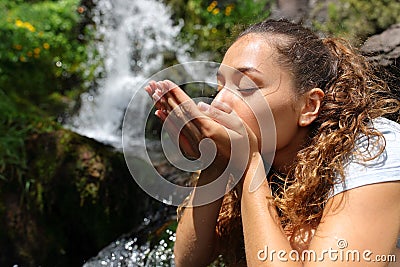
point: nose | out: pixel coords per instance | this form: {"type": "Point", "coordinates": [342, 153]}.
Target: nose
{"type": "Point", "coordinates": [226, 96]}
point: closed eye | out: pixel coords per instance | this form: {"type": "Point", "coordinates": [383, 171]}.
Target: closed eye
{"type": "Point", "coordinates": [247, 89]}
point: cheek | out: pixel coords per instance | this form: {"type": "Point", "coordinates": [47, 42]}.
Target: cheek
{"type": "Point", "coordinates": [279, 120]}
{"type": "Point", "coordinates": [252, 122]}
{"type": "Point", "coordinates": [247, 115]}
{"type": "Point", "coordinates": [286, 124]}
{"type": "Point", "coordinates": [255, 115]}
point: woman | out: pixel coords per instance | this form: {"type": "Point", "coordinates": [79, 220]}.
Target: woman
{"type": "Point", "coordinates": [334, 182]}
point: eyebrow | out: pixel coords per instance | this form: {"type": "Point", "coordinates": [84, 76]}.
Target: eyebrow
{"type": "Point", "coordinates": [243, 70]}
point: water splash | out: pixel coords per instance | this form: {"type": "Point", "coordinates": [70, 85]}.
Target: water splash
{"type": "Point", "coordinates": [151, 244]}
{"type": "Point", "coordinates": [128, 253]}
{"type": "Point", "coordinates": [135, 37]}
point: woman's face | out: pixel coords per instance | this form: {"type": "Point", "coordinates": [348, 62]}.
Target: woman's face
{"type": "Point", "coordinates": [250, 77]}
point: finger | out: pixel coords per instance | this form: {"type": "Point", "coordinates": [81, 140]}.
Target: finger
{"type": "Point", "coordinates": [229, 120]}
{"type": "Point", "coordinates": [183, 112]}
{"type": "Point", "coordinates": [151, 89]}
{"type": "Point", "coordinates": [184, 122]}
{"type": "Point", "coordinates": [153, 86]}
{"type": "Point", "coordinates": [170, 106]}
{"type": "Point", "coordinates": [161, 115]}
{"type": "Point", "coordinates": [221, 106]}
{"type": "Point", "coordinates": [172, 90]}
{"type": "Point", "coordinates": [186, 109]}
{"type": "Point", "coordinates": [159, 100]}
{"type": "Point", "coordinates": [156, 95]}
{"type": "Point", "coordinates": [160, 97]}
{"type": "Point", "coordinates": [167, 99]}
{"type": "Point", "coordinates": [188, 148]}
{"type": "Point", "coordinates": [175, 97]}
{"type": "Point", "coordinates": [147, 88]}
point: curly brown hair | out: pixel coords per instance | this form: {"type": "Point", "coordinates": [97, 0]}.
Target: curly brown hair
{"type": "Point", "coordinates": [354, 97]}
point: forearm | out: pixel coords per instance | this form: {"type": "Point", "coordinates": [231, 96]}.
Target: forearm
{"type": "Point", "coordinates": [261, 225]}
{"type": "Point", "coordinates": [195, 235]}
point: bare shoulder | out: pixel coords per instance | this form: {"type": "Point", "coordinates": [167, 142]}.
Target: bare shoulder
{"type": "Point", "coordinates": [366, 218]}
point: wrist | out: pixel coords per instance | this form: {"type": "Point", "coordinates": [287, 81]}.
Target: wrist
{"type": "Point", "coordinates": [211, 173]}
{"type": "Point", "coordinates": [255, 174]}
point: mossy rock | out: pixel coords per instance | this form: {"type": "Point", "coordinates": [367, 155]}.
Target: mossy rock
{"type": "Point", "coordinates": [76, 196]}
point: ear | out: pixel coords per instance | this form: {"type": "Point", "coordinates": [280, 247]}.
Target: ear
{"type": "Point", "coordinates": [311, 106]}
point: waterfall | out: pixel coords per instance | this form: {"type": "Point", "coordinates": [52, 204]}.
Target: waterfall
{"type": "Point", "coordinates": [135, 35]}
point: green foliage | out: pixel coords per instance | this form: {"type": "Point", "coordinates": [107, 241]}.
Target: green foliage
{"type": "Point", "coordinates": [18, 120]}
{"type": "Point", "coordinates": [11, 139]}
{"type": "Point", "coordinates": [358, 19]}
{"type": "Point", "coordinates": [40, 52]}
{"type": "Point", "coordinates": [41, 66]}
{"type": "Point", "coordinates": [207, 25]}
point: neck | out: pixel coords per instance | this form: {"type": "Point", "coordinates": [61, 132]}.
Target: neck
{"type": "Point", "coordinates": [285, 156]}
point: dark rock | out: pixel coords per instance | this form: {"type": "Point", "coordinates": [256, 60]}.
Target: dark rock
{"type": "Point", "coordinates": [295, 10]}
{"type": "Point", "coordinates": [76, 196]}
{"type": "Point", "coordinates": [384, 48]}
{"type": "Point", "coordinates": [304, 11]}
{"type": "Point", "coordinates": [383, 51]}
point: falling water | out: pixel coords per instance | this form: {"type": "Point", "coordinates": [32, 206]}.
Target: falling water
{"type": "Point", "coordinates": [135, 34]}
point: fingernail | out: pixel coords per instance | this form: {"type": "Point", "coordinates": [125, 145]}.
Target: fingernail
{"type": "Point", "coordinates": [156, 97]}
{"type": "Point", "coordinates": [162, 87]}
{"type": "Point", "coordinates": [203, 106]}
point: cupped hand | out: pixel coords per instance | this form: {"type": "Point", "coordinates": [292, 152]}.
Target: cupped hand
{"type": "Point", "coordinates": [192, 123]}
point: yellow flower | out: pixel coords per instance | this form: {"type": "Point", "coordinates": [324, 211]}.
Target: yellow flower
{"type": "Point", "coordinates": [215, 11]}
{"type": "Point", "coordinates": [36, 50]}
{"type": "Point", "coordinates": [29, 26]}
{"type": "Point", "coordinates": [19, 23]}
{"type": "Point", "coordinates": [22, 59]}
{"type": "Point", "coordinates": [46, 46]}
{"type": "Point", "coordinates": [18, 46]}
{"type": "Point", "coordinates": [228, 10]}
{"type": "Point", "coordinates": [212, 6]}
{"type": "Point", "coordinates": [29, 54]}
{"type": "Point", "coordinates": [214, 30]}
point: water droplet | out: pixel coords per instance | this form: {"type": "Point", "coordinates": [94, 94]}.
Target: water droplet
{"type": "Point", "coordinates": [146, 221]}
